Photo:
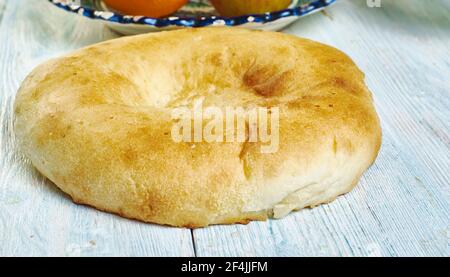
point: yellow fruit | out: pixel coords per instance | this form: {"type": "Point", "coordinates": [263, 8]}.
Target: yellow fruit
{"type": "Point", "coordinates": [243, 7]}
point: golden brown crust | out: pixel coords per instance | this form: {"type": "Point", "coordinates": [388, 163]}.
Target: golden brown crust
{"type": "Point", "coordinates": [97, 123]}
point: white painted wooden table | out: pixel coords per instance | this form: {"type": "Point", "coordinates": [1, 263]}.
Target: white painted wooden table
{"type": "Point", "coordinates": [400, 208]}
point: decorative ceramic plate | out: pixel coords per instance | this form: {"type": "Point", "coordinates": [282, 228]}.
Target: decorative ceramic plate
{"type": "Point", "coordinates": [197, 13]}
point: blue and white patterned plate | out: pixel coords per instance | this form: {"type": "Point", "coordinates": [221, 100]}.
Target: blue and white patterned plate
{"type": "Point", "coordinates": [198, 13]}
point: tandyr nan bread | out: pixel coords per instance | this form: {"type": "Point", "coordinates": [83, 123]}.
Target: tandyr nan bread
{"type": "Point", "coordinates": [98, 123]}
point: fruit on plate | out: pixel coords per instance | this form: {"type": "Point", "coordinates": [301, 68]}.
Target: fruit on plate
{"type": "Point", "coordinates": [151, 8]}
{"type": "Point", "coordinates": [243, 7]}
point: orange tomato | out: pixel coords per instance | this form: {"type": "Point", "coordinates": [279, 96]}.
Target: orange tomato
{"type": "Point", "coordinates": [151, 8]}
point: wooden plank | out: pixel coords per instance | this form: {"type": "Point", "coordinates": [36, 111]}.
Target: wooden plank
{"type": "Point", "coordinates": [35, 217]}
{"type": "Point", "coordinates": [401, 206]}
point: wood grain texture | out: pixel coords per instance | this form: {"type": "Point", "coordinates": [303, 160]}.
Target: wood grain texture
{"type": "Point", "coordinates": [35, 217]}
{"type": "Point", "coordinates": [400, 208]}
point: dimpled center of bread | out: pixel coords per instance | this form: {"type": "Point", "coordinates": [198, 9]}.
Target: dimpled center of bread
{"type": "Point", "coordinates": [219, 73]}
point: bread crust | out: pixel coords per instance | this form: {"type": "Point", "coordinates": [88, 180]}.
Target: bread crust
{"type": "Point", "coordinates": [97, 123]}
